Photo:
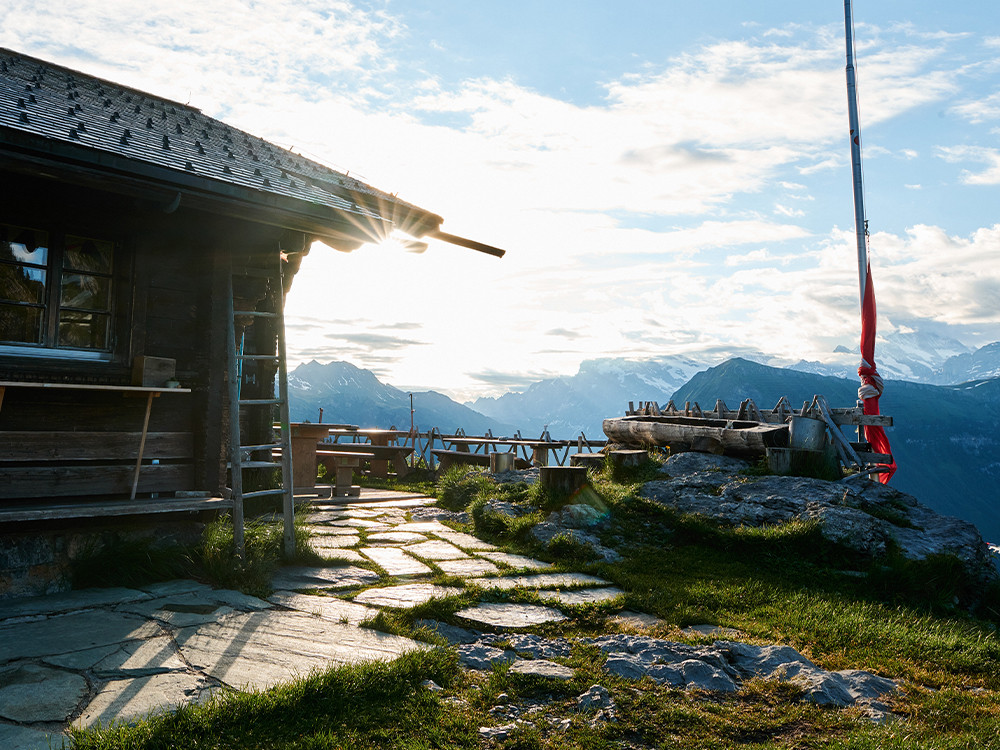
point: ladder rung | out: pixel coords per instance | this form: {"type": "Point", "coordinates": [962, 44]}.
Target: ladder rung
{"type": "Point", "coordinates": [254, 314]}
{"type": "Point", "coordinates": [258, 465]}
{"type": "Point", "coordinates": [261, 447]}
{"type": "Point", "coordinates": [260, 402]}
{"type": "Point", "coordinates": [258, 356]}
{"type": "Point", "coordinates": [262, 493]}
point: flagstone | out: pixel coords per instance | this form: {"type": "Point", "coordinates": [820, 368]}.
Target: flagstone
{"type": "Point", "coordinates": [395, 537]}
{"type": "Point", "coordinates": [326, 516]}
{"type": "Point", "coordinates": [260, 649]}
{"type": "Point", "coordinates": [505, 615]}
{"type": "Point", "coordinates": [125, 700]}
{"type": "Point", "coordinates": [72, 600]}
{"type": "Point", "coordinates": [362, 523]}
{"type": "Point", "coordinates": [135, 658]}
{"type": "Point", "coordinates": [31, 693]}
{"type": "Point", "coordinates": [179, 611]}
{"type": "Point", "coordinates": [425, 527]}
{"type": "Point", "coordinates": [71, 632]}
{"type": "Point", "coordinates": [405, 596]}
{"type": "Point", "coordinates": [539, 581]}
{"type": "Point", "coordinates": [339, 554]}
{"type": "Point", "coordinates": [323, 542]}
{"type": "Point", "coordinates": [582, 596]}
{"type": "Point", "coordinates": [436, 550]}
{"type": "Point", "coordinates": [323, 578]}
{"type": "Point", "coordinates": [328, 607]}
{"type": "Point", "coordinates": [175, 587]}
{"type": "Point", "coordinates": [395, 562]}
{"type": "Point", "coordinates": [325, 530]}
{"type": "Point", "coordinates": [515, 561]}
{"type": "Point", "coordinates": [23, 738]}
{"type": "Point", "coordinates": [355, 512]}
{"type": "Point", "coordinates": [465, 541]}
{"type": "Point", "coordinates": [470, 567]}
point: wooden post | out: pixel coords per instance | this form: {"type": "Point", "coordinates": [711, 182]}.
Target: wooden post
{"type": "Point", "coordinates": [142, 445]}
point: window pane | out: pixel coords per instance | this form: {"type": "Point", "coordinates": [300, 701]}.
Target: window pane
{"type": "Point", "coordinates": [88, 292]}
{"type": "Point", "coordinates": [83, 254]}
{"type": "Point", "coordinates": [22, 325]}
{"type": "Point", "coordinates": [22, 245]}
{"type": "Point", "coordinates": [83, 330]}
{"type": "Point", "coordinates": [22, 283]}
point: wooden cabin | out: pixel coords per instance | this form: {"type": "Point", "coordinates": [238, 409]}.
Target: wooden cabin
{"type": "Point", "coordinates": [125, 218]}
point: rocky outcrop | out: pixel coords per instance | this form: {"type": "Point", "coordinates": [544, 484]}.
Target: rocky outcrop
{"type": "Point", "coordinates": [569, 523]}
{"type": "Point", "coordinates": [720, 668]}
{"type": "Point", "coordinates": [862, 515]}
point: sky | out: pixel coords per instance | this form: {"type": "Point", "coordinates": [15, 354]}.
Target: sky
{"type": "Point", "coordinates": [666, 178]}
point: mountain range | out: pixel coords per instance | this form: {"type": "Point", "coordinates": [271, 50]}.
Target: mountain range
{"type": "Point", "coordinates": [944, 439]}
{"type": "Point", "coordinates": [350, 395]}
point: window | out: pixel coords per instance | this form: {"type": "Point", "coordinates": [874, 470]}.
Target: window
{"type": "Point", "coordinates": [56, 292]}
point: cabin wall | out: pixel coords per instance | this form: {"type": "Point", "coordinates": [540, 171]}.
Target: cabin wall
{"type": "Point", "coordinates": [171, 279]}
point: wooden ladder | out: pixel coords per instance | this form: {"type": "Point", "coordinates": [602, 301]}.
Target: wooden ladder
{"type": "Point", "coordinates": [242, 457]}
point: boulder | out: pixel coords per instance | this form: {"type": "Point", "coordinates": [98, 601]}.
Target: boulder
{"type": "Point", "coordinates": [862, 515]}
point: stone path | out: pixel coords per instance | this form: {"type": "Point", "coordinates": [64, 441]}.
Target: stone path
{"type": "Point", "coordinates": [117, 654]}
{"type": "Point", "coordinates": [101, 655]}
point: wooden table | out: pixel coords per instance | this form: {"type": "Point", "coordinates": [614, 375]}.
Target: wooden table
{"type": "Point", "coordinates": [539, 448]}
{"type": "Point", "coordinates": [126, 390]}
{"type": "Point", "coordinates": [375, 436]}
{"type": "Point", "coordinates": [304, 437]}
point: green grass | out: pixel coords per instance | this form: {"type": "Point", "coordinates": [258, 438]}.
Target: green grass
{"type": "Point", "coordinates": [782, 584]}
{"type": "Point", "coordinates": [372, 705]}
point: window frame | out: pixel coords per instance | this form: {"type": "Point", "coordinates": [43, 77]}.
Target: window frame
{"type": "Point", "coordinates": [52, 305]}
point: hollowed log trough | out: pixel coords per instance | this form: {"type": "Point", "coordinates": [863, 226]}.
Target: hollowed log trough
{"type": "Point", "coordinates": [740, 438]}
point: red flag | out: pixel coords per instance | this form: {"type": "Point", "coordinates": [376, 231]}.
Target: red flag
{"type": "Point", "coordinates": [871, 383]}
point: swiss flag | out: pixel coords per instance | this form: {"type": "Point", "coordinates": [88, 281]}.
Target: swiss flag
{"type": "Point", "coordinates": [871, 384]}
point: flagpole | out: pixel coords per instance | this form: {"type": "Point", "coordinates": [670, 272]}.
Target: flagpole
{"type": "Point", "coordinates": [860, 223]}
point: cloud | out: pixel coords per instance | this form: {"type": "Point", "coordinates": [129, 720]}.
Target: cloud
{"type": "Point", "coordinates": [990, 156]}
{"type": "Point", "coordinates": [980, 110]}
{"type": "Point", "coordinates": [511, 380]}
{"type": "Point", "coordinates": [673, 212]}
{"type": "Point", "coordinates": [564, 333]}
{"type": "Point", "coordinates": [373, 341]}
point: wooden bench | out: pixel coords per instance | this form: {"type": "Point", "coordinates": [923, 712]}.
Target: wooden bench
{"type": "Point", "coordinates": [447, 459]}
{"type": "Point", "coordinates": [395, 455]}
{"type": "Point", "coordinates": [341, 464]}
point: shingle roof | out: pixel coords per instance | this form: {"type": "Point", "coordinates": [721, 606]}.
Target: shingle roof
{"type": "Point", "coordinates": [71, 108]}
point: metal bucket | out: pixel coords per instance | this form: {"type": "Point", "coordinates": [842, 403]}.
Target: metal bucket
{"type": "Point", "coordinates": [807, 434]}
{"type": "Point", "coordinates": [500, 462]}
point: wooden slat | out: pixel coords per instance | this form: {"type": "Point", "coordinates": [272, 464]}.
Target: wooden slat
{"type": "Point", "coordinates": [110, 508]}
{"type": "Point", "coordinates": [65, 481]}
{"type": "Point", "coordinates": [92, 446]}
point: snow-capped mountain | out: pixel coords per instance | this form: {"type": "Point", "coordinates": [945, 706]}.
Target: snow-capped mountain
{"type": "Point", "coordinates": [569, 405]}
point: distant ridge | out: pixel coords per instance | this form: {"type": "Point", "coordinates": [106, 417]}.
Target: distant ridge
{"type": "Point", "coordinates": [350, 395]}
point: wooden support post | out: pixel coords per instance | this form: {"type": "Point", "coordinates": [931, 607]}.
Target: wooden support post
{"type": "Point", "coordinates": [142, 444]}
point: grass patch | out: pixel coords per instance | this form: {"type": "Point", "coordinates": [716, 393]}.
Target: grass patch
{"type": "Point", "coordinates": [118, 560]}
{"type": "Point", "coordinates": [364, 706]}
{"type": "Point", "coordinates": [460, 485]}
{"type": "Point", "coordinates": [263, 553]}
